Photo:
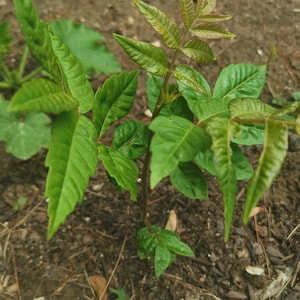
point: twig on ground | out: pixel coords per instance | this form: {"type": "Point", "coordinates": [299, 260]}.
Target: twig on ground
{"type": "Point", "coordinates": [115, 267]}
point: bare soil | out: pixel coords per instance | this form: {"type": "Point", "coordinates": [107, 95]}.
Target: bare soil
{"type": "Point", "coordinates": [99, 237]}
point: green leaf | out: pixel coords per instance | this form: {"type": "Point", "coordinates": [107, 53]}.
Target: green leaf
{"type": "Point", "coordinates": [72, 75]}
{"type": "Point", "coordinates": [5, 38]}
{"type": "Point", "coordinates": [147, 56]}
{"type": "Point", "coordinates": [72, 159]}
{"type": "Point", "coordinates": [290, 108]}
{"type": "Point", "coordinates": [24, 134]}
{"type": "Point", "coordinates": [88, 45]}
{"type": "Point", "coordinates": [162, 259]}
{"type": "Point", "coordinates": [120, 293]}
{"type": "Point", "coordinates": [131, 139]}
{"type": "Point", "coordinates": [205, 7]}
{"type": "Point", "coordinates": [207, 108]}
{"type": "Point", "coordinates": [211, 31]}
{"type": "Point", "coordinates": [191, 78]}
{"type": "Point", "coordinates": [173, 242]}
{"type": "Point", "coordinates": [188, 13]}
{"type": "Point", "coordinates": [42, 95]}
{"type": "Point", "coordinates": [122, 169]}
{"type": "Point", "coordinates": [147, 241]}
{"type": "Point", "coordinates": [177, 107]}
{"type": "Point", "coordinates": [249, 135]}
{"type": "Point", "coordinates": [247, 108]}
{"type": "Point", "coordinates": [37, 36]}
{"type": "Point", "coordinates": [189, 180]}
{"type": "Point", "coordinates": [240, 81]}
{"type": "Point", "coordinates": [213, 18]}
{"type": "Point", "coordinates": [175, 140]}
{"type": "Point", "coordinates": [160, 22]}
{"type": "Point", "coordinates": [270, 162]}
{"type": "Point", "coordinates": [199, 51]}
{"type": "Point", "coordinates": [241, 164]}
{"type": "Point", "coordinates": [114, 100]}
{"type": "Point", "coordinates": [220, 130]}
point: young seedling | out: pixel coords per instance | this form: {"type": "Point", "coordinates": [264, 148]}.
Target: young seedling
{"type": "Point", "coordinates": [193, 127]}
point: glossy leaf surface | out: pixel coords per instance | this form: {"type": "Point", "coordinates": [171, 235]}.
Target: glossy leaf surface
{"type": "Point", "coordinates": [114, 100]}
{"type": "Point", "coordinates": [147, 56]}
{"type": "Point", "coordinates": [72, 159]}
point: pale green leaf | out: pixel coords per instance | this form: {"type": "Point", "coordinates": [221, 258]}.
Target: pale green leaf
{"type": "Point", "coordinates": [114, 100]}
{"type": "Point", "coordinates": [147, 56]}
{"type": "Point", "coordinates": [220, 131]}
{"type": "Point", "coordinates": [88, 45]}
{"type": "Point", "coordinates": [269, 165]}
{"type": "Point", "coordinates": [72, 75]}
{"type": "Point", "coordinates": [42, 95]}
{"type": "Point", "coordinates": [131, 139]}
{"type": "Point", "coordinates": [205, 7]}
{"type": "Point", "coordinates": [290, 108]}
{"type": "Point", "coordinates": [159, 21]}
{"type": "Point", "coordinates": [175, 140]}
{"type": "Point", "coordinates": [199, 51]}
{"type": "Point", "coordinates": [213, 18]}
{"type": "Point", "coordinates": [247, 108]}
{"type": "Point", "coordinates": [24, 134]}
{"type": "Point", "coordinates": [211, 31]}
{"type": "Point", "coordinates": [122, 169]}
{"type": "Point", "coordinates": [188, 13]}
{"type": "Point", "coordinates": [72, 159]}
{"type": "Point", "coordinates": [240, 81]}
{"type": "Point", "coordinates": [188, 76]}
{"type": "Point", "coordinates": [189, 180]}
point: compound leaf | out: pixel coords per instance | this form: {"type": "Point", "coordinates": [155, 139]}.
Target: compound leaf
{"type": "Point", "coordinates": [175, 140]}
{"type": "Point", "coordinates": [42, 95]}
{"type": "Point", "coordinates": [199, 51]}
{"type": "Point", "coordinates": [220, 131]}
{"type": "Point", "coordinates": [166, 27]}
{"type": "Point", "coordinates": [131, 139]}
{"type": "Point", "coordinates": [147, 56]}
{"type": "Point", "coordinates": [211, 31]}
{"type": "Point", "coordinates": [240, 81]}
{"type": "Point", "coordinates": [87, 44]}
{"type": "Point", "coordinates": [122, 169]}
{"type": "Point", "coordinates": [114, 100]}
{"type": "Point", "coordinates": [188, 13]}
{"type": "Point", "coordinates": [189, 180]}
{"type": "Point", "coordinates": [24, 134]}
{"type": "Point", "coordinates": [72, 159]}
{"type": "Point", "coordinates": [72, 74]}
{"type": "Point", "coordinates": [270, 162]}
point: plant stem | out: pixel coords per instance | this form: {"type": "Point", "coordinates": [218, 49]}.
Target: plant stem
{"type": "Point", "coordinates": [23, 63]}
{"type": "Point", "coordinates": [32, 74]}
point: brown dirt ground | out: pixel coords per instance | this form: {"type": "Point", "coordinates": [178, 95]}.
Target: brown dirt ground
{"type": "Point", "coordinates": [90, 242]}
